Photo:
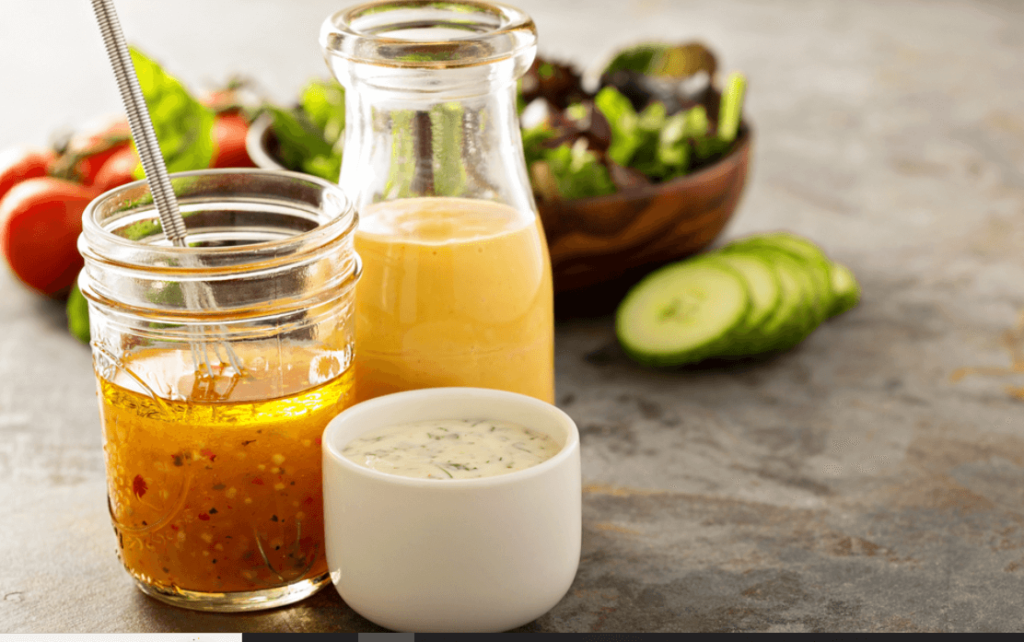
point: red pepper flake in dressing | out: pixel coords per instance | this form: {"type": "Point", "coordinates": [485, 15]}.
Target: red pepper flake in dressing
{"type": "Point", "coordinates": [139, 486]}
{"type": "Point", "coordinates": [206, 452]}
{"type": "Point", "coordinates": [318, 441]}
{"type": "Point", "coordinates": [204, 517]}
{"type": "Point", "coordinates": [257, 481]}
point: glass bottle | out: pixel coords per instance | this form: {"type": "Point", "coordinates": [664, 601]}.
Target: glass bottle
{"type": "Point", "coordinates": [212, 416]}
{"type": "Point", "coordinates": [456, 289]}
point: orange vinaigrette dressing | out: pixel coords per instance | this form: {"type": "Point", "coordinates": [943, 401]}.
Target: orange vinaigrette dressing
{"type": "Point", "coordinates": [454, 292]}
{"type": "Point", "coordinates": [220, 492]}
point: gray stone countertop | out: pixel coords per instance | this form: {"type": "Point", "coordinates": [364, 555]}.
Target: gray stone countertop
{"type": "Point", "coordinates": [862, 481]}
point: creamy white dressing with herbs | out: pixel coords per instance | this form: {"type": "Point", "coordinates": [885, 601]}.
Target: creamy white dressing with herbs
{"type": "Point", "coordinates": [451, 449]}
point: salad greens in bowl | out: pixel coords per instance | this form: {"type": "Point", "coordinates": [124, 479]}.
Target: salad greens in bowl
{"type": "Point", "coordinates": [645, 167]}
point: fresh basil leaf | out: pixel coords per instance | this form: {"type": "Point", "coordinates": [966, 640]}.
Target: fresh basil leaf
{"type": "Point", "coordinates": [298, 139]}
{"type": "Point", "coordinates": [183, 126]}
{"type": "Point", "coordinates": [78, 315]}
{"type": "Point", "coordinates": [324, 104]}
{"type": "Point", "coordinates": [623, 121]}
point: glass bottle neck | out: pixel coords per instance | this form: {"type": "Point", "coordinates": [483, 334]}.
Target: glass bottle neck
{"type": "Point", "coordinates": [425, 133]}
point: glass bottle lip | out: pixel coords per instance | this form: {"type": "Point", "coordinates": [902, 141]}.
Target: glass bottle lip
{"type": "Point", "coordinates": [98, 243]}
{"type": "Point", "coordinates": [426, 34]}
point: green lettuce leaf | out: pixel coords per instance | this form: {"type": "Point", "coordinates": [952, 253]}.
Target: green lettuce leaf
{"type": "Point", "coordinates": [446, 126]}
{"type": "Point", "coordinates": [301, 144]}
{"type": "Point", "coordinates": [623, 120]}
{"type": "Point", "coordinates": [646, 158]}
{"type": "Point", "coordinates": [695, 122]}
{"type": "Point", "coordinates": [326, 167]}
{"type": "Point", "coordinates": [183, 126]}
{"type": "Point", "coordinates": [663, 60]}
{"type": "Point", "coordinates": [731, 108]}
{"type": "Point", "coordinates": [673, 152]}
{"type": "Point", "coordinates": [324, 104]}
{"type": "Point", "coordinates": [533, 142]}
{"type": "Point", "coordinates": [577, 171]}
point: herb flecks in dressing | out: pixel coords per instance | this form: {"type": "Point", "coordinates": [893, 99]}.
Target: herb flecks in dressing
{"type": "Point", "coordinates": [451, 449]}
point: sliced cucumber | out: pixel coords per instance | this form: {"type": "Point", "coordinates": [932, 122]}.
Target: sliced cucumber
{"type": "Point", "coordinates": [845, 290]}
{"type": "Point", "coordinates": [792, 318]}
{"type": "Point", "coordinates": [765, 294]}
{"type": "Point", "coordinates": [796, 316]}
{"type": "Point", "coordinates": [756, 295]}
{"type": "Point", "coordinates": [818, 267]}
{"type": "Point", "coordinates": [682, 313]}
{"type": "Point", "coordinates": [795, 244]}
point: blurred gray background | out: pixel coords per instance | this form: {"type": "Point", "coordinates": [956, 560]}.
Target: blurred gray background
{"type": "Point", "coordinates": [850, 484]}
{"type": "Point", "coordinates": [818, 70]}
{"type": "Point", "coordinates": [55, 74]}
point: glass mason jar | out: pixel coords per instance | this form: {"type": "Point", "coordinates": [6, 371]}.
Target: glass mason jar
{"type": "Point", "coordinates": [218, 366]}
{"type": "Point", "coordinates": [456, 289]}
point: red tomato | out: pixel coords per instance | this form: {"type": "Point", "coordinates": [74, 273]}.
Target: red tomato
{"type": "Point", "coordinates": [21, 163]}
{"type": "Point", "coordinates": [88, 151]}
{"type": "Point", "coordinates": [89, 167]}
{"type": "Point", "coordinates": [40, 220]}
{"type": "Point", "coordinates": [229, 131]}
{"type": "Point", "coordinates": [117, 170]}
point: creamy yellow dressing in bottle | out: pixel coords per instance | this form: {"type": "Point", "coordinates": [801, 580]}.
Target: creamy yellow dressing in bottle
{"type": "Point", "coordinates": [454, 292]}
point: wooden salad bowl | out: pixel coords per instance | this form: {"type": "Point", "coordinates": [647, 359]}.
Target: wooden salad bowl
{"type": "Point", "coordinates": [598, 239]}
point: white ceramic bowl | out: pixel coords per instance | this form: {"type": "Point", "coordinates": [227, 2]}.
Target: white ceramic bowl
{"type": "Point", "coordinates": [257, 143]}
{"type": "Point", "coordinates": [452, 555]}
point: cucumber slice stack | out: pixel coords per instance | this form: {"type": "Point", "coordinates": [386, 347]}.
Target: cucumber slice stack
{"type": "Point", "coordinates": [757, 295]}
